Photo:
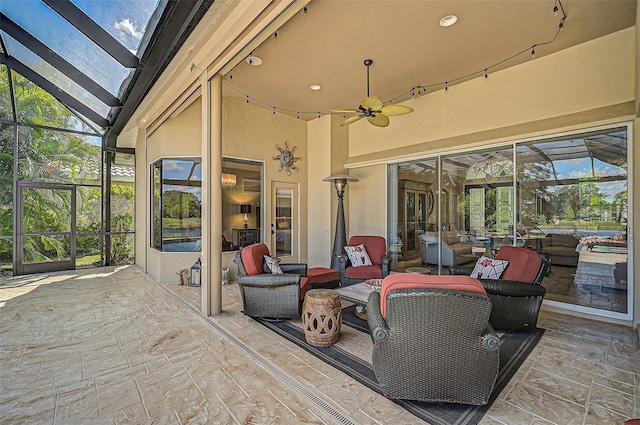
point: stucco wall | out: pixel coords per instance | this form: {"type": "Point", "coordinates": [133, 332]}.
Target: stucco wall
{"type": "Point", "coordinates": [250, 132]}
{"type": "Point", "coordinates": [586, 77]}
{"type": "Point", "coordinates": [320, 194]}
{"type": "Point", "coordinates": [179, 136]}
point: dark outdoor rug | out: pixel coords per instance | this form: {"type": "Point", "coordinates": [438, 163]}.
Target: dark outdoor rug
{"type": "Point", "coordinates": [516, 346]}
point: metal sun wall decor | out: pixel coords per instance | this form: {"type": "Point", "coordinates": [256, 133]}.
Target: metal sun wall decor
{"type": "Point", "coordinates": [286, 158]}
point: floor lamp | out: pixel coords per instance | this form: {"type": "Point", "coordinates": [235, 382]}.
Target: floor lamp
{"type": "Point", "coordinates": [340, 239]}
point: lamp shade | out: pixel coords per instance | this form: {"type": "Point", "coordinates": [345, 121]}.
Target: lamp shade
{"type": "Point", "coordinates": [228, 180]}
{"type": "Point", "coordinates": [245, 209]}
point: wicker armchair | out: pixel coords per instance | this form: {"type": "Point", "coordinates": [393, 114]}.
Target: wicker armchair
{"type": "Point", "coordinates": [376, 247]}
{"type": "Point", "coordinates": [267, 295]}
{"type": "Point", "coordinates": [432, 340]}
{"type": "Point", "coordinates": [517, 296]}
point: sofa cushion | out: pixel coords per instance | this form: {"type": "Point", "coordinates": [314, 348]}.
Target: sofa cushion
{"type": "Point", "coordinates": [558, 239]}
{"type": "Point", "coordinates": [524, 264]}
{"type": "Point", "coordinates": [253, 258]}
{"type": "Point", "coordinates": [421, 281]}
{"type": "Point", "coordinates": [358, 255]}
{"type": "Point", "coordinates": [272, 264]}
{"type": "Point", "coordinates": [450, 238]}
{"type": "Point", "coordinates": [376, 246]}
{"type": "Point", "coordinates": [364, 272]}
{"type": "Point", "coordinates": [461, 248]}
{"type": "Point", "coordinates": [488, 268]}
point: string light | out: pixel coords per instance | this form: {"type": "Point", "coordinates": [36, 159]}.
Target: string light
{"type": "Point", "coordinates": [532, 49]}
{"type": "Point", "coordinates": [304, 11]}
{"type": "Point", "coordinates": [416, 91]}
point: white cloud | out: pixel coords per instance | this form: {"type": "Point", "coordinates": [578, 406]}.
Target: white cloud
{"type": "Point", "coordinates": [128, 28]}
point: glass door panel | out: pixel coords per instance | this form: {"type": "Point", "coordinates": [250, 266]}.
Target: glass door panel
{"type": "Point", "coordinates": [285, 220]}
{"type": "Point", "coordinates": [89, 245]}
{"type": "Point", "coordinates": [46, 228]}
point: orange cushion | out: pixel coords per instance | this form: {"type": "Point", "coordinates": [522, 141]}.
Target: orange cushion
{"type": "Point", "coordinates": [253, 258]}
{"type": "Point", "coordinates": [421, 281]}
{"type": "Point", "coordinates": [322, 275]}
{"type": "Point", "coordinates": [376, 246]}
{"type": "Point", "coordinates": [524, 264]}
{"type": "Point", "coordinates": [364, 272]}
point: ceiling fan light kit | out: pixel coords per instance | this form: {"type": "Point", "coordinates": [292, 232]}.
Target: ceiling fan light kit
{"type": "Point", "coordinates": [373, 108]}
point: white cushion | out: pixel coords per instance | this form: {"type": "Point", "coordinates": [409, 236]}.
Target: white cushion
{"type": "Point", "coordinates": [358, 255]}
{"type": "Point", "coordinates": [273, 265]}
{"type": "Point", "coordinates": [488, 268]}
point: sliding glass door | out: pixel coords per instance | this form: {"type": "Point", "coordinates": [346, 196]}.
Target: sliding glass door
{"type": "Point", "coordinates": [565, 197]}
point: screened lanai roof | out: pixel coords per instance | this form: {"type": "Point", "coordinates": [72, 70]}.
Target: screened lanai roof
{"type": "Point", "coordinates": [601, 155]}
{"type": "Point", "coordinates": [99, 58]}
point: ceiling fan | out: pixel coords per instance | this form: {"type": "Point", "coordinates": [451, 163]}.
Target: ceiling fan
{"type": "Point", "coordinates": [372, 108]}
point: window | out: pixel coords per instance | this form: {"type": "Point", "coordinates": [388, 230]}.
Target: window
{"type": "Point", "coordinates": [242, 200]}
{"type": "Point", "coordinates": [565, 197]}
{"type": "Point", "coordinates": [177, 205]}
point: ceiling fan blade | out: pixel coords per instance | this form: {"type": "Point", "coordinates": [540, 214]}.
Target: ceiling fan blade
{"type": "Point", "coordinates": [379, 120]}
{"type": "Point", "coordinates": [372, 102]}
{"type": "Point", "coordinates": [344, 111]}
{"type": "Point", "coordinates": [351, 120]}
{"type": "Point", "coordinates": [392, 110]}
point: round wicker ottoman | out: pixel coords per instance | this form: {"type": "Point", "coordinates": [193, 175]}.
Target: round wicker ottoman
{"type": "Point", "coordinates": [322, 317]}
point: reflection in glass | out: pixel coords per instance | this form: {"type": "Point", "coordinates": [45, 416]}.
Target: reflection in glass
{"type": "Point", "coordinates": [565, 198]}
{"type": "Point", "coordinates": [284, 220]}
{"type": "Point", "coordinates": [248, 193]}
{"type": "Point", "coordinates": [573, 209]}
{"type": "Point", "coordinates": [177, 213]}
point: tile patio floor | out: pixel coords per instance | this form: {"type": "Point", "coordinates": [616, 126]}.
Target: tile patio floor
{"type": "Point", "coordinates": [111, 346]}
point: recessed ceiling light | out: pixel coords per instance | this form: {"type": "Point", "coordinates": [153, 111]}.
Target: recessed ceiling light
{"type": "Point", "coordinates": [314, 86]}
{"type": "Point", "coordinates": [448, 20]}
{"type": "Point", "coordinates": [253, 60]}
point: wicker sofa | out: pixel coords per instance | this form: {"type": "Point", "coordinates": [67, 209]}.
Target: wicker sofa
{"type": "Point", "coordinates": [560, 249]}
{"type": "Point", "coordinates": [517, 296]}
{"type": "Point", "coordinates": [454, 252]}
{"type": "Point", "coordinates": [432, 340]}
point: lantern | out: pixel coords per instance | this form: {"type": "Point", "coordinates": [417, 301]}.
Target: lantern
{"type": "Point", "coordinates": [195, 279]}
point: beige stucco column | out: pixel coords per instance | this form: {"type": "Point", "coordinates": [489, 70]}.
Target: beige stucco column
{"type": "Point", "coordinates": [211, 195]}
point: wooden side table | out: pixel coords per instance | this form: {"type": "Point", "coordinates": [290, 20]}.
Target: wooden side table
{"type": "Point", "coordinates": [322, 317]}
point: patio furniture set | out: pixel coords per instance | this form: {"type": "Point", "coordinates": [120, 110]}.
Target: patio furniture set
{"type": "Point", "coordinates": [465, 344]}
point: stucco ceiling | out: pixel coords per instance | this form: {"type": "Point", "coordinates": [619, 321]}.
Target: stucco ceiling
{"type": "Point", "coordinates": [409, 47]}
